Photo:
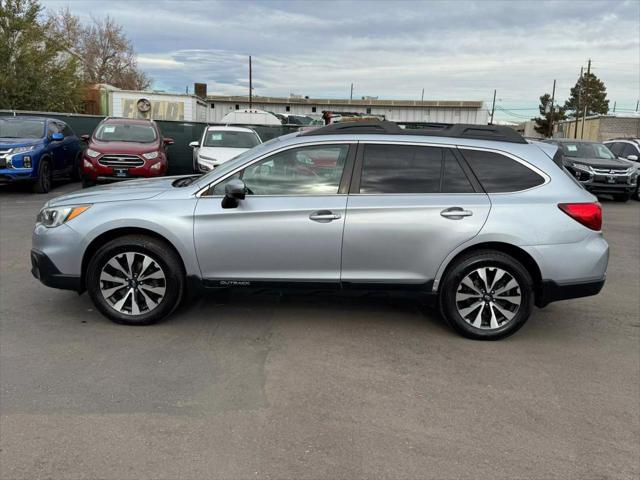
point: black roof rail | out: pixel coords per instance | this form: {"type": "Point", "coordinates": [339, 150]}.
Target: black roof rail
{"type": "Point", "coordinates": [454, 130]}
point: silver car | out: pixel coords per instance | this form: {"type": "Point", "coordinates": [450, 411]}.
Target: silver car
{"type": "Point", "coordinates": [472, 217]}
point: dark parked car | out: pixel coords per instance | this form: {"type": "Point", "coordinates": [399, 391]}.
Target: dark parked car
{"type": "Point", "coordinates": [37, 150]}
{"type": "Point", "coordinates": [121, 149]}
{"type": "Point", "coordinates": [597, 168]}
{"type": "Point", "coordinates": [627, 149]}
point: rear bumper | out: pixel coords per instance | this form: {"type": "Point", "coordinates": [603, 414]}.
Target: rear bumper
{"type": "Point", "coordinates": [46, 271]}
{"type": "Point", "coordinates": [550, 291]}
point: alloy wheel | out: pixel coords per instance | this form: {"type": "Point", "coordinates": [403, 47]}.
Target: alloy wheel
{"type": "Point", "coordinates": [488, 298]}
{"type": "Point", "coordinates": [132, 283]}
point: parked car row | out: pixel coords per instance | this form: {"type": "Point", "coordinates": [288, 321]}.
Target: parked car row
{"type": "Point", "coordinates": [598, 169]}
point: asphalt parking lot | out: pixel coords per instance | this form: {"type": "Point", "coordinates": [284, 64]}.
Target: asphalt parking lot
{"type": "Point", "coordinates": [290, 386]}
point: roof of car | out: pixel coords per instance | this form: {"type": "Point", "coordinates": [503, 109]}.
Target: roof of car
{"type": "Point", "coordinates": [138, 121]}
{"type": "Point", "coordinates": [230, 128]}
{"type": "Point", "coordinates": [477, 132]}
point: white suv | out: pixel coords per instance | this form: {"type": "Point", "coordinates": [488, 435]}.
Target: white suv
{"type": "Point", "coordinates": [219, 144]}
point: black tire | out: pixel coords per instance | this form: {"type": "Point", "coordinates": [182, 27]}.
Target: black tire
{"type": "Point", "coordinates": [86, 183]}
{"type": "Point", "coordinates": [159, 252]}
{"type": "Point", "coordinates": [76, 172]}
{"type": "Point", "coordinates": [622, 197]}
{"type": "Point", "coordinates": [45, 177]}
{"type": "Point", "coordinates": [491, 259]}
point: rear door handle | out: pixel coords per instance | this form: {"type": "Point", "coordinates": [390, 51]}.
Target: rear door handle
{"type": "Point", "coordinates": [455, 213]}
{"type": "Point", "coordinates": [324, 216]}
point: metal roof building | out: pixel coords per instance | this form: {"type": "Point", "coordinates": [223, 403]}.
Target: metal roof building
{"type": "Point", "coordinates": [446, 111]}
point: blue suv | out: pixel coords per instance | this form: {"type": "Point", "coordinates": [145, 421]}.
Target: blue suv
{"type": "Point", "coordinates": [37, 150]}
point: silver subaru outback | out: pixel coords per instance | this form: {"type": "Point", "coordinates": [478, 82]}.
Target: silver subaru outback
{"type": "Point", "coordinates": [472, 217]}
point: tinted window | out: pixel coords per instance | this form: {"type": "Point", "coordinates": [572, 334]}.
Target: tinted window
{"type": "Point", "coordinates": [230, 139]}
{"type": "Point", "coordinates": [616, 148]}
{"type": "Point", "coordinates": [67, 131]}
{"type": "Point", "coordinates": [400, 169]}
{"type": "Point", "coordinates": [629, 150]}
{"type": "Point", "coordinates": [298, 171]}
{"type": "Point", "coordinates": [498, 173]}
{"type": "Point", "coordinates": [454, 179]}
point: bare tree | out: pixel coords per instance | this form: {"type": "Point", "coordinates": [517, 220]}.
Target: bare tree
{"type": "Point", "coordinates": [106, 53]}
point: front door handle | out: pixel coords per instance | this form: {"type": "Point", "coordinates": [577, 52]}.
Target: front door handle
{"type": "Point", "coordinates": [324, 216]}
{"type": "Point", "coordinates": [455, 213]}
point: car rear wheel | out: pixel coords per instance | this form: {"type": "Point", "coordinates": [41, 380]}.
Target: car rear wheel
{"type": "Point", "coordinates": [44, 180]}
{"type": "Point", "coordinates": [135, 280]}
{"type": "Point", "coordinates": [487, 295]}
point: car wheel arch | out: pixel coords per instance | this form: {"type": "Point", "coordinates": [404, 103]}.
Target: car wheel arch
{"type": "Point", "coordinates": [514, 251]}
{"type": "Point", "coordinates": [109, 235]}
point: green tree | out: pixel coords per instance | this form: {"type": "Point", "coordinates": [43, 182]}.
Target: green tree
{"type": "Point", "coordinates": [36, 72]}
{"type": "Point", "coordinates": [546, 116]}
{"type": "Point", "coordinates": [588, 91]}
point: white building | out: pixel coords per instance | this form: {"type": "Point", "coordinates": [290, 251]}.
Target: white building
{"type": "Point", "coordinates": [445, 111]}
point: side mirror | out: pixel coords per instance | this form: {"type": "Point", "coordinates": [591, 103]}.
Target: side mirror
{"type": "Point", "coordinates": [85, 137]}
{"type": "Point", "coordinates": [56, 137]}
{"type": "Point", "coordinates": [194, 144]}
{"type": "Point", "coordinates": [633, 158]}
{"type": "Point", "coordinates": [168, 141]}
{"type": "Point", "coordinates": [233, 191]}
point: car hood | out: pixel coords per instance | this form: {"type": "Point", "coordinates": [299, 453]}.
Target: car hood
{"type": "Point", "coordinates": [221, 154]}
{"type": "Point", "coordinates": [18, 142]}
{"type": "Point", "coordinates": [116, 192]}
{"type": "Point", "coordinates": [599, 162]}
{"type": "Point", "coordinates": [131, 148]}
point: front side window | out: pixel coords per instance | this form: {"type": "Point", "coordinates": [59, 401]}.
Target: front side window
{"type": "Point", "coordinates": [400, 169]}
{"type": "Point", "coordinates": [616, 148]}
{"type": "Point", "coordinates": [21, 128]}
{"type": "Point", "coordinates": [629, 150]}
{"type": "Point", "coordinates": [498, 173]}
{"type": "Point", "coordinates": [125, 132]}
{"type": "Point", "coordinates": [315, 170]}
{"type": "Point", "coordinates": [230, 139]}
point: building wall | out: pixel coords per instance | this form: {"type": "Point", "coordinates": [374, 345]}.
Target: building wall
{"type": "Point", "coordinates": [399, 114]}
{"type": "Point", "coordinates": [602, 128]}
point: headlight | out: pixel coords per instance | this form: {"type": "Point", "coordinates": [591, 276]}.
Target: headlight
{"type": "Point", "coordinates": [204, 157]}
{"type": "Point", "coordinates": [581, 166]}
{"type": "Point", "coordinates": [150, 155]}
{"type": "Point", "coordinates": [92, 153]}
{"type": "Point", "coordinates": [54, 216]}
{"type": "Point", "coordinates": [22, 149]}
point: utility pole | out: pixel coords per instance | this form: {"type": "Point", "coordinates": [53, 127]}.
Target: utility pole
{"type": "Point", "coordinates": [586, 103]}
{"type": "Point", "coordinates": [250, 85]}
{"type": "Point", "coordinates": [422, 96]}
{"type": "Point", "coordinates": [351, 95]}
{"type": "Point", "coordinates": [575, 133]}
{"type": "Point", "coordinates": [553, 96]}
{"type": "Point", "coordinates": [614, 106]}
{"type": "Point", "coordinates": [493, 107]}
{"type": "Point", "coordinates": [637, 105]}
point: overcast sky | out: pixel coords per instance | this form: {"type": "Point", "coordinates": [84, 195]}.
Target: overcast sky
{"type": "Point", "coordinates": [455, 50]}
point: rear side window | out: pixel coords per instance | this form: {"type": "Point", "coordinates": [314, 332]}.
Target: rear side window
{"type": "Point", "coordinates": [454, 179]}
{"type": "Point", "coordinates": [400, 169]}
{"type": "Point", "coordinates": [498, 173]}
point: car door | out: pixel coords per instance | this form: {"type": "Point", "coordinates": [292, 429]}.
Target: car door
{"type": "Point", "coordinates": [288, 228]}
{"type": "Point", "coordinates": [408, 208]}
{"type": "Point", "coordinates": [56, 147]}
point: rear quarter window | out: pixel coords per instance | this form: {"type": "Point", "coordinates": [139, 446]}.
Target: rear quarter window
{"type": "Point", "coordinates": [500, 174]}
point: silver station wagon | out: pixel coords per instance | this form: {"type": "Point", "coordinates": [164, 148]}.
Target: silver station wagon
{"type": "Point", "coordinates": [472, 217]}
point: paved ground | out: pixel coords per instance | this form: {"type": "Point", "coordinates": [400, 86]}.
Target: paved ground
{"type": "Point", "coordinates": [293, 387]}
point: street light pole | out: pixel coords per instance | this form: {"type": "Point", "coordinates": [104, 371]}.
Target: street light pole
{"type": "Point", "coordinates": [493, 107]}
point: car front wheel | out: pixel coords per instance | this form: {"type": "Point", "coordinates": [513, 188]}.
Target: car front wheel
{"type": "Point", "coordinates": [487, 295]}
{"type": "Point", "coordinates": [135, 280]}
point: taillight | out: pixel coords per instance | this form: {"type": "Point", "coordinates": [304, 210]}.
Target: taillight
{"type": "Point", "coordinates": [588, 214]}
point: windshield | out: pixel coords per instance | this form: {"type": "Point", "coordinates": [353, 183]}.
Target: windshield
{"type": "Point", "coordinates": [21, 128]}
{"type": "Point", "coordinates": [230, 139]}
{"type": "Point", "coordinates": [123, 132]}
{"type": "Point", "coordinates": [586, 150]}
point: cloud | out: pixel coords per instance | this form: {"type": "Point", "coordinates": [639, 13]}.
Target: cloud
{"type": "Point", "coordinates": [454, 50]}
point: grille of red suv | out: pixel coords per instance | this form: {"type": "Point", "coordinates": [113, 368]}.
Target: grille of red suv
{"type": "Point", "coordinates": [121, 161]}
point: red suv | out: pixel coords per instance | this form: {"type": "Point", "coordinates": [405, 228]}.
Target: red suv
{"type": "Point", "coordinates": [122, 148]}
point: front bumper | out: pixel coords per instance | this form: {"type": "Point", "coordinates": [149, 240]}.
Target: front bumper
{"type": "Point", "coordinates": [103, 173]}
{"type": "Point", "coordinates": [11, 175]}
{"type": "Point", "coordinates": [46, 271]}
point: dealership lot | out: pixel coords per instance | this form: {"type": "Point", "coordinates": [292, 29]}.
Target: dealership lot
{"type": "Point", "coordinates": [297, 386]}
